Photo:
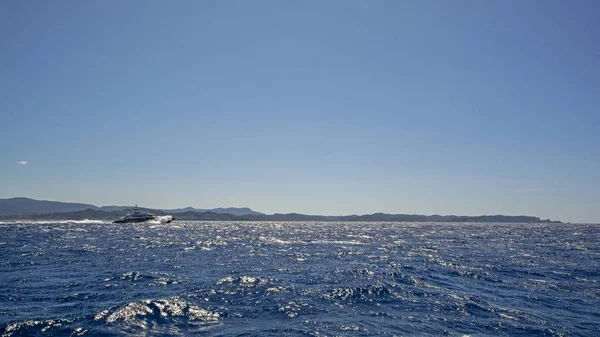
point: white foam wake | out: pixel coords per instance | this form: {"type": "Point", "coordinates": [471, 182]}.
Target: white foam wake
{"type": "Point", "coordinates": [161, 219]}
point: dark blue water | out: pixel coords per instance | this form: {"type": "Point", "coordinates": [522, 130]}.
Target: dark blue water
{"type": "Point", "coordinates": [296, 279]}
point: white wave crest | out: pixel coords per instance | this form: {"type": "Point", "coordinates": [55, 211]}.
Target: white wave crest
{"type": "Point", "coordinates": [170, 310]}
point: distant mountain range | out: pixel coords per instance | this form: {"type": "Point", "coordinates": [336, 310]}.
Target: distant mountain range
{"type": "Point", "coordinates": [30, 209]}
{"type": "Point", "coordinates": [15, 206]}
{"type": "Point", "coordinates": [220, 210]}
{"type": "Point", "coordinates": [27, 206]}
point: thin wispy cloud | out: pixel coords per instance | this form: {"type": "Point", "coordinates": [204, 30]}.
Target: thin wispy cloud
{"type": "Point", "coordinates": [22, 162]}
{"type": "Point", "coordinates": [530, 190]}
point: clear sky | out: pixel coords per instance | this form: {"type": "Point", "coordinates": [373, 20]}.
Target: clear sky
{"type": "Point", "coordinates": [321, 107]}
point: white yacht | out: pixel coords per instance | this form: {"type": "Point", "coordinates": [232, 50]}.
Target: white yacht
{"type": "Point", "coordinates": [139, 216]}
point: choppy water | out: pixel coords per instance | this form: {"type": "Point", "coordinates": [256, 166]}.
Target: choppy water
{"type": "Point", "coordinates": [296, 279]}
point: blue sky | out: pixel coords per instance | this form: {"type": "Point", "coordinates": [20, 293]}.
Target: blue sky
{"type": "Point", "coordinates": [321, 107]}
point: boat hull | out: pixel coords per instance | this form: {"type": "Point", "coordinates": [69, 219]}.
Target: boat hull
{"type": "Point", "coordinates": [132, 220]}
{"type": "Point", "coordinates": [140, 220]}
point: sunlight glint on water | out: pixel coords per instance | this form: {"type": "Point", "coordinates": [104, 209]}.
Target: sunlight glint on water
{"type": "Point", "coordinates": [325, 279]}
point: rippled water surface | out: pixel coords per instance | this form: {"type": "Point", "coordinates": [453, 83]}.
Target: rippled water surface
{"type": "Point", "coordinates": [296, 279]}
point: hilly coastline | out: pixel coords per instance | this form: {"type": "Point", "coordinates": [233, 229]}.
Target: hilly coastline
{"type": "Point", "coordinates": [28, 206]}
{"type": "Point", "coordinates": [30, 209]}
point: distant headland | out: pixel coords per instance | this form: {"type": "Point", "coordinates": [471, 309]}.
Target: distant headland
{"type": "Point", "coordinates": [30, 209]}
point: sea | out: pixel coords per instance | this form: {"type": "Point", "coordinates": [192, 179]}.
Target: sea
{"type": "Point", "coordinates": [92, 278]}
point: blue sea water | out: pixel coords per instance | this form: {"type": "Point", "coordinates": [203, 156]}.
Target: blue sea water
{"type": "Point", "coordinates": [299, 279]}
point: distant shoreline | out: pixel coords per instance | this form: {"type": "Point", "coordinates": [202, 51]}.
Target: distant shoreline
{"type": "Point", "coordinates": [94, 215]}
{"type": "Point", "coordinates": [22, 208]}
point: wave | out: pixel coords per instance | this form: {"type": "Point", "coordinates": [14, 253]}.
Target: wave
{"type": "Point", "coordinates": [151, 279]}
{"type": "Point", "coordinates": [55, 327]}
{"type": "Point", "coordinates": [274, 240]}
{"type": "Point", "coordinates": [368, 293]}
{"type": "Point", "coordinates": [241, 280]}
{"type": "Point", "coordinates": [162, 316]}
{"type": "Point", "coordinates": [156, 316]}
{"type": "Point", "coordinates": [164, 309]}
